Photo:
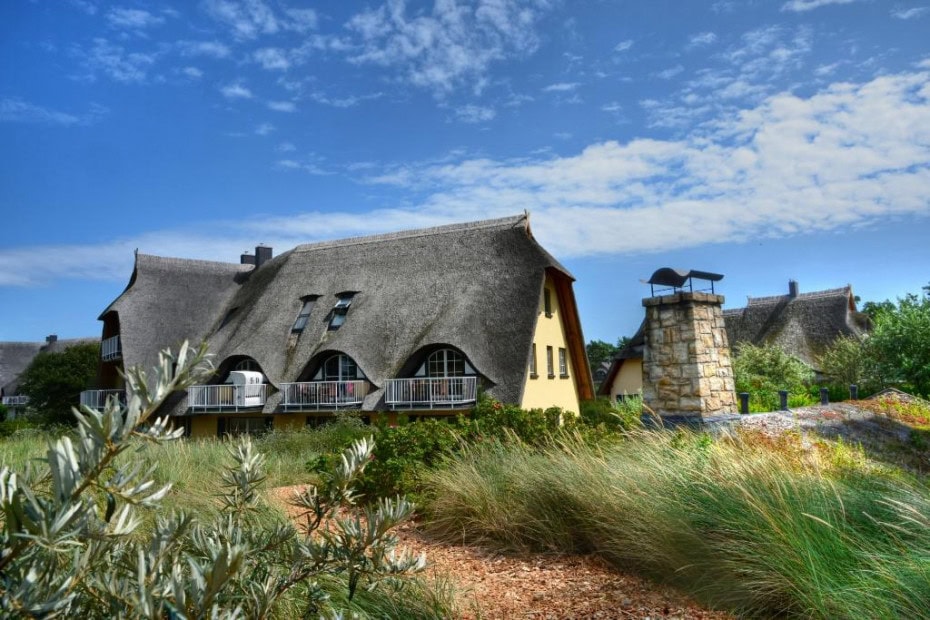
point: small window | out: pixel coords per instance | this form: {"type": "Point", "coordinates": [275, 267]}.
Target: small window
{"type": "Point", "coordinates": [549, 366]}
{"type": "Point", "coordinates": [248, 364]}
{"type": "Point", "coordinates": [339, 311]}
{"type": "Point", "coordinates": [563, 363]}
{"type": "Point", "coordinates": [533, 374]}
{"type": "Point", "coordinates": [547, 302]}
{"type": "Point", "coordinates": [304, 315]}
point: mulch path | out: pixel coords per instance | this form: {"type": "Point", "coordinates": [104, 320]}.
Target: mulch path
{"type": "Point", "coordinates": [538, 586]}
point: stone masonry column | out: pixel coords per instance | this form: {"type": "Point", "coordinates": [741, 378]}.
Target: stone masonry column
{"type": "Point", "coordinates": [686, 358]}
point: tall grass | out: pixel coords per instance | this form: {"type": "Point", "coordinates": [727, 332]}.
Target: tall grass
{"type": "Point", "coordinates": [755, 529]}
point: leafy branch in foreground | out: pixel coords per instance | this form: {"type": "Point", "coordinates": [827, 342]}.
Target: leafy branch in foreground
{"type": "Point", "coordinates": [71, 542]}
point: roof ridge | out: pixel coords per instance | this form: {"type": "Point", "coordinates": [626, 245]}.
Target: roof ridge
{"type": "Point", "coordinates": [811, 295]}
{"type": "Point", "coordinates": [195, 261]}
{"type": "Point", "coordinates": [409, 234]}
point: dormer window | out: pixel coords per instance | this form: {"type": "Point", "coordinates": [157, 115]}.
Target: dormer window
{"type": "Point", "coordinates": [304, 315]}
{"type": "Point", "coordinates": [338, 314]}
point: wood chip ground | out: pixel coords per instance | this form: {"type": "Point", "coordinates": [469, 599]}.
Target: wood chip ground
{"type": "Point", "coordinates": [539, 586]}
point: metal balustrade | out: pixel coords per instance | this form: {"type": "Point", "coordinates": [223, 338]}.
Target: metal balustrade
{"type": "Point", "coordinates": [97, 399]}
{"type": "Point", "coordinates": [111, 349]}
{"type": "Point", "coordinates": [431, 392]}
{"type": "Point", "coordinates": [323, 394]}
{"type": "Point", "coordinates": [225, 397]}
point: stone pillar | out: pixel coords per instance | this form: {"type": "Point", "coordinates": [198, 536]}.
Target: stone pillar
{"type": "Point", "coordinates": [686, 358]}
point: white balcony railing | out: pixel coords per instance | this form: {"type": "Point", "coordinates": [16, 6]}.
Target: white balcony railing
{"type": "Point", "coordinates": [431, 392]}
{"type": "Point", "coordinates": [18, 400]}
{"type": "Point", "coordinates": [225, 397]}
{"type": "Point", "coordinates": [324, 394]}
{"type": "Point", "coordinates": [97, 399]}
{"type": "Point", "coordinates": [111, 349]}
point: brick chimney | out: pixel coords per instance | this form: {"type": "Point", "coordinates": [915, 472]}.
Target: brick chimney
{"type": "Point", "coordinates": [51, 339]}
{"type": "Point", "coordinates": [246, 259]}
{"type": "Point", "coordinates": [793, 288]}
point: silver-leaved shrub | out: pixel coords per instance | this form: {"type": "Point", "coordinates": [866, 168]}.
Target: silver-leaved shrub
{"type": "Point", "coordinates": [71, 543]}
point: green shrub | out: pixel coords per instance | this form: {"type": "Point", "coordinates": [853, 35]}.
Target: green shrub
{"type": "Point", "coordinates": [71, 543]}
{"type": "Point", "coordinates": [764, 370]}
{"type": "Point", "coordinates": [621, 415]}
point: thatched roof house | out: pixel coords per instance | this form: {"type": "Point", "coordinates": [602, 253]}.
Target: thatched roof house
{"type": "Point", "coordinates": [15, 357]}
{"type": "Point", "coordinates": [409, 320]}
{"type": "Point", "coordinates": [802, 324]}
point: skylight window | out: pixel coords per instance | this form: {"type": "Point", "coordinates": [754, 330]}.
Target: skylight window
{"type": "Point", "coordinates": [304, 315]}
{"type": "Point", "coordinates": [338, 314]}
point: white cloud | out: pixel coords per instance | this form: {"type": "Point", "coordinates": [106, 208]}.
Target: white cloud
{"type": "Point", "coordinates": [247, 19]}
{"type": "Point", "coordinates": [474, 114]}
{"type": "Point", "coordinates": [15, 110]}
{"type": "Point", "coordinates": [114, 61]}
{"type": "Point", "coordinates": [87, 6]}
{"type": "Point", "coordinates": [282, 106]}
{"type": "Point", "coordinates": [343, 102]}
{"type": "Point", "coordinates": [192, 72]}
{"type": "Point", "coordinates": [286, 147]}
{"type": "Point", "coordinates": [613, 106]}
{"type": "Point", "coordinates": [265, 129]}
{"type": "Point", "coordinates": [212, 49]}
{"type": "Point", "coordinates": [848, 155]}
{"type": "Point", "coordinates": [272, 59]}
{"type": "Point", "coordinates": [669, 73]}
{"type": "Point", "coordinates": [450, 46]}
{"type": "Point", "coordinates": [132, 19]}
{"type": "Point", "coordinates": [801, 6]}
{"type": "Point", "coordinates": [561, 87]}
{"type": "Point", "coordinates": [236, 91]}
{"type": "Point", "coordinates": [250, 19]}
{"type": "Point", "coordinates": [623, 46]}
{"type": "Point", "coordinates": [911, 13]}
{"type": "Point", "coordinates": [701, 39]}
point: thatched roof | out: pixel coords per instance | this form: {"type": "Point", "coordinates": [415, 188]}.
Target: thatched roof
{"type": "Point", "coordinates": [804, 325]}
{"type": "Point", "coordinates": [473, 286]}
{"type": "Point", "coordinates": [15, 357]}
{"type": "Point", "coordinates": [169, 300]}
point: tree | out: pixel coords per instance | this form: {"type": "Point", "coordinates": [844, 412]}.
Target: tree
{"type": "Point", "coordinates": [901, 342]}
{"type": "Point", "coordinates": [54, 381]}
{"type": "Point", "coordinates": [849, 361]}
{"type": "Point", "coordinates": [600, 351]}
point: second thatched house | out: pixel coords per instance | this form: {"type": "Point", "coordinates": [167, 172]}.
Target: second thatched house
{"type": "Point", "coordinates": [802, 324]}
{"type": "Point", "coordinates": [413, 321]}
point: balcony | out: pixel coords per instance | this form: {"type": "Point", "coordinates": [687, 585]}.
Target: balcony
{"type": "Point", "coordinates": [111, 349]}
{"type": "Point", "coordinates": [433, 392]}
{"type": "Point", "coordinates": [18, 400]}
{"type": "Point", "coordinates": [97, 399]}
{"type": "Point", "coordinates": [323, 395]}
{"type": "Point", "coordinates": [226, 397]}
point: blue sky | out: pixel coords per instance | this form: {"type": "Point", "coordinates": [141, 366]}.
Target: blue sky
{"type": "Point", "coordinates": [764, 140]}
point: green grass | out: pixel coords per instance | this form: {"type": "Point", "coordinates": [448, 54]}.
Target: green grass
{"type": "Point", "coordinates": [759, 529]}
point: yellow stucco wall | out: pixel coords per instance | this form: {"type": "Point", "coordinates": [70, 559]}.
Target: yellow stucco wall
{"type": "Point", "coordinates": [629, 380]}
{"type": "Point", "coordinates": [544, 392]}
{"type": "Point", "coordinates": [289, 422]}
{"type": "Point", "coordinates": [203, 426]}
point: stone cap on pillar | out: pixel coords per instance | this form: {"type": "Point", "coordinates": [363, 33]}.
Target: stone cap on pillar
{"type": "Point", "coordinates": [684, 298]}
